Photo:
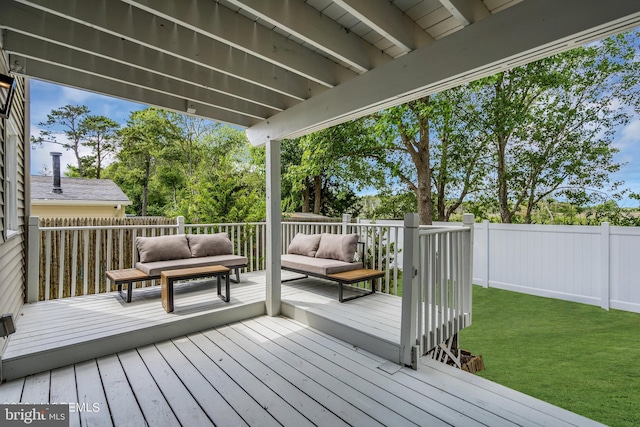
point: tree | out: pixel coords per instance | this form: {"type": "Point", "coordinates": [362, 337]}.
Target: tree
{"type": "Point", "coordinates": [431, 145]}
{"type": "Point", "coordinates": [144, 137]}
{"type": "Point", "coordinates": [67, 120]}
{"type": "Point", "coordinates": [229, 183]}
{"type": "Point", "coordinates": [100, 133]}
{"type": "Point", "coordinates": [327, 167]}
{"type": "Point", "coordinates": [550, 124]}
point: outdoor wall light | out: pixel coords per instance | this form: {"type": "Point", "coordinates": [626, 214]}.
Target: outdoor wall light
{"type": "Point", "coordinates": [7, 327]}
{"type": "Point", "coordinates": [7, 89]}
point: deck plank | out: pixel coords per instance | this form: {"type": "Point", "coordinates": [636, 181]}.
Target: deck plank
{"type": "Point", "coordinates": [184, 406]}
{"type": "Point", "coordinates": [90, 393]}
{"type": "Point", "coordinates": [125, 409]}
{"type": "Point", "coordinates": [63, 389]}
{"type": "Point", "coordinates": [367, 369]}
{"type": "Point", "coordinates": [366, 399]}
{"type": "Point", "coordinates": [36, 388]}
{"type": "Point", "coordinates": [154, 406]}
{"type": "Point", "coordinates": [11, 391]}
{"type": "Point", "coordinates": [212, 402]}
{"type": "Point", "coordinates": [260, 392]}
{"type": "Point", "coordinates": [264, 366]}
{"type": "Point", "coordinates": [245, 406]}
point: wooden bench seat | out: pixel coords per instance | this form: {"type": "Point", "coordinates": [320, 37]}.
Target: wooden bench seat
{"type": "Point", "coordinates": [127, 276]}
{"type": "Point", "coordinates": [356, 276]}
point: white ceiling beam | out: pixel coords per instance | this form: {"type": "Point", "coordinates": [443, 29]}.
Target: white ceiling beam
{"type": "Point", "coordinates": [389, 21]}
{"type": "Point", "coordinates": [33, 48]}
{"type": "Point", "coordinates": [72, 78]}
{"type": "Point", "coordinates": [220, 23]}
{"type": "Point", "coordinates": [466, 12]}
{"type": "Point", "coordinates": [45, 26]}
{"type": "Point", "coordinates": [520, 34]}
{"type": "Point", "coordinates": [122, 20]}
{"type": "Point", "coordinates": [307, 23]}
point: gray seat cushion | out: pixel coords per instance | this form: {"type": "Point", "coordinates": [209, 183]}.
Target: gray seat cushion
{"type": "Point", "coordinates": [154, 268]}
{"type": "Point", "coordinates": [320, 266]}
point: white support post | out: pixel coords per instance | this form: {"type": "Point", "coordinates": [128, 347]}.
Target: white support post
{"type": "Point", "coordinates": [488, 263]}
{"type": "Point", "coordinates": [33, 270]}
{"type": "Point", "coordinates": [410, 289]}
{"type": "Point", "coordinates": [180, 223]}
{"type": "Point", "coordinates": [346, 220]}
{"type": "Point", "coordinates": [468, 220]}
{"type": "Point", "coordinates": [605, 244]}
{"type": "Point", "coordinates": [274, 230]}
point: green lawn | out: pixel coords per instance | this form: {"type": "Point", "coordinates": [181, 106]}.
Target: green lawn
{"type": "Point", "coordinates": [579, 357]}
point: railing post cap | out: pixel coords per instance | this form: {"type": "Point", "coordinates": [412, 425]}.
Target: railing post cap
{"type": "Point", "coordinates": [411, 220]}
{"type": "Point", "coordinates": [468, 219]}
{"type": "Point", "coordinates": [34, 220]}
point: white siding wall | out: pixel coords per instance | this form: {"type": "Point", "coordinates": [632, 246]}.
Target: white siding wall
{"type": "Point", "coordinates": [12, 250]}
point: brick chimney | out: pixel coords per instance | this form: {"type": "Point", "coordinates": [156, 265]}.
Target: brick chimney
{"type": "Point", "coordinates": [57, 188]}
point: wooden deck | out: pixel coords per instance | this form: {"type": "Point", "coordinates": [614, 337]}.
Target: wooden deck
{"type": "Point", "coordinates": [275, 371]}
{"type": "Point", "coordinates": [56, 333]}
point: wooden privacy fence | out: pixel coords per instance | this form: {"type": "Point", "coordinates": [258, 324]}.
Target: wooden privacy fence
{"type": "Point", "coordinates": [76, 252]}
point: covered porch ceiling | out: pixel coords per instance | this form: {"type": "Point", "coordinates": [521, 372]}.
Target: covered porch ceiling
{"type": "Point", "coordinates": [283, 68]}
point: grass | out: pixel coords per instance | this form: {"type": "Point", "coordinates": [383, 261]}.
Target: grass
{"type": "Point", "coordinates": [579, 357]}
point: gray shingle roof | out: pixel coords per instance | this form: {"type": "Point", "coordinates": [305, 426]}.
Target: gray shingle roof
{"type": "Point", "coordinates": [77, 189]}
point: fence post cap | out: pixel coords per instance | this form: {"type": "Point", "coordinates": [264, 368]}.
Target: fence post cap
{"type": "Point", "coordinates": [34, 220]}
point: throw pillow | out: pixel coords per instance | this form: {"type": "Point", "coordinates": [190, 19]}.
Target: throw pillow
{"type": "Point", "coordinates": [338, 246]}
{"type": "Point", "coordinates": [210, 244]}
{"type": "Point", "coordinates": [162, 248]}
{"type": "Point", "coordinates": [304, 244]}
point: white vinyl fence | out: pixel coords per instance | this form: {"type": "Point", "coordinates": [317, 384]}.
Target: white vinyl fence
{"type": "Point", "coordinates": [597, 265]}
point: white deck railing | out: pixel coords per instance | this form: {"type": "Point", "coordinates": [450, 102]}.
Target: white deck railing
{"type": "Point", "coordinates": [72, 261]}
{"type": "Point", "coordinates": [437, 295]}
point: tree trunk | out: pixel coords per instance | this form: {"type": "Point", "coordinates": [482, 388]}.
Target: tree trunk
{"type": "Point", "coordinates": [503, 191]}
{"type": "Point", "coordinates": [317, 194]}
{"type": "Point", "coordinates": [306, 202]}
{"type": "Point", "coordinates": [145, 186]}
{"type": "Point", "coordinates": [425, 202]}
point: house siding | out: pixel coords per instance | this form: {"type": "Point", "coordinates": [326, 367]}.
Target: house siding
{"type": "Point", "coordinates": [13, 249]}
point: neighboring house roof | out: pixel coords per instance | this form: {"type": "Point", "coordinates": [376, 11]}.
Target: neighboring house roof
{"type": "Point", "coordinates": [77, 190]}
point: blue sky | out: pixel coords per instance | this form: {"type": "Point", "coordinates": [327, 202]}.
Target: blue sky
{"type": "Point", "coordinates": [46, 97]}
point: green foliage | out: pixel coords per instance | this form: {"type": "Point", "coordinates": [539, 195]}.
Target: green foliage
{"type": "Point", "coordinates": [575, 356]}
{"type": "Point", "coordinates": [322, 171]}
{"type": "Point", "coordinates": [100, 134]}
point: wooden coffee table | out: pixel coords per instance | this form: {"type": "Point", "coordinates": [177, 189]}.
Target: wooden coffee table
{"type": "Point", "coordinates": [167, 279]}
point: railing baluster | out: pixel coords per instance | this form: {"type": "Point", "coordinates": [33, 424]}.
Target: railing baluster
{"type": "Point", "coordinates": [85, 264]}
{"type": "Point", "coordinates": [96, 283]}
{"type": "Point", "coordinates": [47, 267]}
{"type": "Point", "coordinates": [74, 263]}
{"type": "Point", "coordinates": [61, 264]}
